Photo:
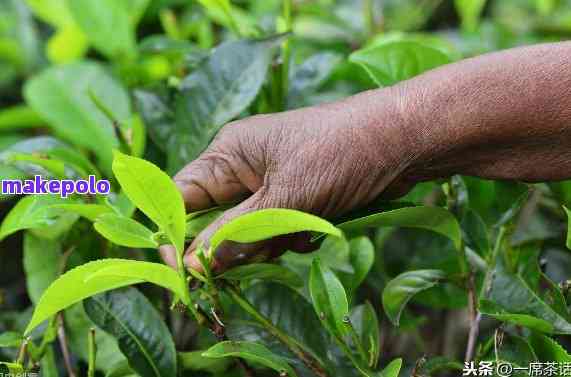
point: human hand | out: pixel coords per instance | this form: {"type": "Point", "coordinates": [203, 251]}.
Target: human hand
{"type": "Point", "coordinates": [325, 160]}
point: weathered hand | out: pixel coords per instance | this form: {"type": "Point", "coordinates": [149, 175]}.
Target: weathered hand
{"type": "Point", "coordinates": [504, 115]}
{"type": "Point", "coordinates": [326, 160]}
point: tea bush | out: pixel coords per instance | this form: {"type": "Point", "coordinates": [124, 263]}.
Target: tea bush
{"type": "Point", "coordinates": [458, 270]}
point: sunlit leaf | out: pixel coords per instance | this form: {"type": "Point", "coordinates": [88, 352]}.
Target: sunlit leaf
{"type": "Point", "coordinates": [253, 352]}
{"type": "Point", "coordinates": [154, 193]}
{"type": "Point", "coordinates": [267, 223]}
{"type": "Point", "coordinates": [124, 231]}
{"type": "Point", "coordinates": [329, 299]}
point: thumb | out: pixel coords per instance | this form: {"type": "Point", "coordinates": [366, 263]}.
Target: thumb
{"type": "Point", "coordinates": [230, 254]}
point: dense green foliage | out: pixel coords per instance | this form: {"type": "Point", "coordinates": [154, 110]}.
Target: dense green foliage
{"type": "Point", "coordinates": [131, 90]}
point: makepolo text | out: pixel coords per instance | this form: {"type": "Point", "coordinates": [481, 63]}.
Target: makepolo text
{"type": "Point", "coordinates": [64, 187]}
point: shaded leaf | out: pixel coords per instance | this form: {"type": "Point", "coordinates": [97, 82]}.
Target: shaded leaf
{"type": "Point", "coordinates": [548, 349]}
{"type": "Point", "coordinates": [107, 24]}
{"type": "Point", "coordinates": [366, 324]}
{"type": "Point", "coordinates": [221, 88]}
{"type": "Point", "coordinates": [394, 61]}
{"type": "Point", "coordinates": [263, 271]}
{"type": "Point", "coordinates": [10, 340]}
{"type": "Point", "coordinates": [30, 212]}
{"type": "Point", "coordinates": [42, 264]}
{"type": "Point", "coordinates": [60, 96]}
{"type": "Point", "coordinates": [143, 337]}
{"type": "Point", "coordinates": [436, 219]}
{"type": "Point", "coordinates": [402, 288]}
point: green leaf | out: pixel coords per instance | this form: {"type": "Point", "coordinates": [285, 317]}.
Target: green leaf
{"type": "Point", "coordinates": [54, 12]}
{"type": "Point", "coordinates": [49, 147]}
{"type": "Point", "coordinates": [362, 258]}
{"type": "Point", "coordinates": [53, 168]}
{"type": "Point", "coordinates": [72, 287]}
{"type": "Point", "coordinates": [154, 193]}
{"type": "Point", "coordinates": [121, 369]}
{"type": "Point", "coordinates": [329, 299]}
{"type": "Point", "coordinates": [267, 223]}
{"type": "Point", "coordinates": [436, 219]}
{"type": "Point", "coordinates": [291, 312]}
{"type": "Point", "coordinates": [107, 25]}
{"type": "Point", "coordinates": [366, 324]}
{"type": "Point", "coordinates": [78, 326]}
{"type": "Point", "coordinates": [402, 288]}
{"type": "Point", "coordinates": [30, 212]}
{"type": "Point", "coordinates": [10, 340]}
{"type": "Point", "coordinates": [125, 231]}
{"type": "Point", "coordinates": [231, 17]}
{"type": "Point", "coordinates": [67, 45]}
{"type": "Point", "coordinates": [476, 233]}
{"type": "Point", "coordinates": [11, 368]}
{"type": "Point", "coordinates": [60, 96]}
{"type": "Point", "coordinates": [221, 88]}
{"type": "Point", "coordinates": [197, 224]}
{"type": "Point", "coordinates": [394, 61]}
{"type": "Point", "coordinates": [470, 11]}
{"type": "Point", "coordinates": [263, 271]}
{"type": "Point", "coordinates": [196, 362]}
{"type": "Point", "coordinates": [393, 369]}
{"type": "Point", "coordinates": [309, 76]}
{"type": "Point", "coordinates": [89, 211]}
{"type": "Point", "coordinates": [548, 349]}
{"type": "Point", "coordinates": [493, 310]}
{"type": "Point", "coordinates": [16, 117]}
{"type": "Point", "coordinates": [42, 264]}
{"type": "Point", "coordinates": [48, 364]}
{"type": "Point", "coordinates": [512, 298]}
{"type": "Point", "coordinates": [250, 351]}
{"type": "Point", "coordinates": [142, 335]}
{"type": "Point", "coordinates": [156, 273]}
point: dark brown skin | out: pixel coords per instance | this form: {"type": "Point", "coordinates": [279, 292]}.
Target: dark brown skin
{"type": "Point", "coordinates": [505, 115]}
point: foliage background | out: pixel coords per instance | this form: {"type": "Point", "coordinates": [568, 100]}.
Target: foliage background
{"type": "Point", "coordinates": [81, 77]}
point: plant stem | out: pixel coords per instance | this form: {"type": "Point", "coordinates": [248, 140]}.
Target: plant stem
{"type": "Point", "coordinates": [92, 353]}
{"type": "Point", "coordinates": [358, 343]}
{"type": "Point", "coordinates": [369, 16]}
{"type": "Point", "coordinates": [475, 317]}
{"type": "Point", "coordinates": [295, 347]}
{"type": "Point", "coordinates": [23, 351]}
{"type": "Point", "coordinates": [64, 348]}
{"type": "Point", "coordinates": [286, 53]}
{"type": "Point", "coordinates": [356, 363]}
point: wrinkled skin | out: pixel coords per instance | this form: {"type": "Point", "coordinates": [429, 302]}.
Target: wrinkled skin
{"type": "Point", "coordinates": [504, 115]}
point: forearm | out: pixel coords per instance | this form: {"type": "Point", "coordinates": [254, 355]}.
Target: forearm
{"type": "Point", "coordinates": [505, 115]}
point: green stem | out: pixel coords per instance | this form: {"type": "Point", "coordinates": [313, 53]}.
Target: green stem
{"type": "Point", "coordinates": [356, 363]}
{"type": "Point", "coordinates": [92, 348]}
{"type": "Point", "coordinates": [22, 352]}
{"type": "Point", "coordinates": [286, 52]}
{"type": "Point", "coordinates": [294, 346]}
{"type": "Point", "coordinates": [369, 16]}
{"type": "Point", "coordinates": [492, 262]}
{"type": "Point", "coordinates": [358, 343]}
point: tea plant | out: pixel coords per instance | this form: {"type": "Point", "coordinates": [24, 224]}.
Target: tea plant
{"type": "Point", "coordinates": [459, 270]}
